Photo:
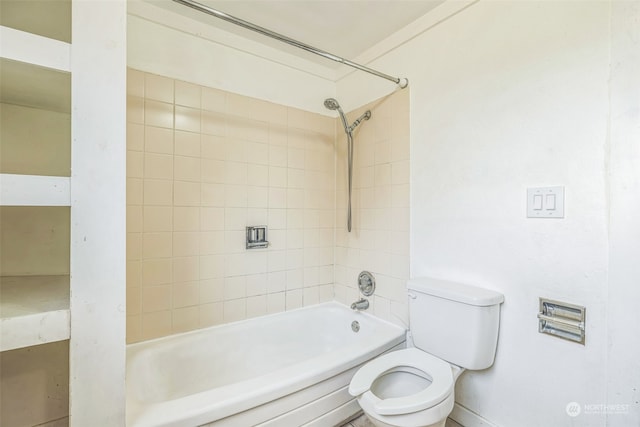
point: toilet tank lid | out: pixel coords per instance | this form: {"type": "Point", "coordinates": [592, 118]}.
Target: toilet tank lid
{"type": "Point", "coordinates": [459, 292]}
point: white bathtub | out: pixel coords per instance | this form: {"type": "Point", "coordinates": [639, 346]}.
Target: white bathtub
{"type": "Point", "coordinates": [287, 369]}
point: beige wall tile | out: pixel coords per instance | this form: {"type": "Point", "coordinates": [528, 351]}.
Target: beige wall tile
{"type": "Point", "coordinates": [134, 246]}
{"type": "Point", "coordinates": [235, 287]}
{"type": "Point", "coordinates": [158, 140]}
{"type": "Point", "coordinates": [158, 87]}
{"type": "Point", "coordinates": [156, 271]}
{"type": "Point", "coordinates": [211, 290]}
{"type": "Point", "coordinates": [158, 192]}
{"type": "Point", "coordinates": [236, 150]}
{"type": "Point", "coordinates": [186, 244]}
{"type": "Point", "coordinates": [212, 266]}
{"type": "Point", "coordinates": [157, 218]}
{"type": "Point", "coordinates": [135, 83]}
{"type": "Point", "coordinates": [135, 109]}
{"type": "Point", "coordinates": [212, 219]}
{"type": "Point", "coordinates": [256, 306]}
{"type": "Point", "coordinates": [212, 242]}
{"type": "Point", "coordinates": [234, 310]}
{"type": "Point", "coordinates": [186, 269]}
{"type": "Point", "coordinates": [258, 197]}
{"type": "Point", "coordinates": [276, 302]}
{"type": "Point", "coordinates": [187, 143]}
{"type": "Point", "coordinates": [236, 173]}
{"type": "Point", "coordinates": [213, 170]}
{"type": "Point", "coordinates": [135, 137]}
{"type": "Point", "coordinates": [187, 168]}
{"type": "Point", "coordinates": [155, 325]}
{"type": "Point", "coordinates": [187, 119]}
{"type": "Point", "coordinates": [157, 245]}
{"type": "Point", "coordinates": [257, 174]}
{"type": "Point", "coordinates": [213, 123]}
{"type": "Point", "coordinates": [212, 195]}
{"type": "Point", "coordinates": [158, 114]}
{"type": "Point", "coordinates": [213, 147]}
{"type": "Point", "coordinates": [186, 193]}
{"type": "Point", "coordinates": [210, 314]}
{"type": "Point", "coordinates": [135, 164]}
{"type": "Point", "coordinates": [134, 301]}
{"type": "Point", "coordinates": [258, 131]}
{"type": "Point", "coordinates": [134, 273]}
{"type": "Point", "coordinates": [134, 328]}
{"type": "Point", "coordinates": [235, 196]}
{"type": "Point", "coordinates": [156, 298]}
{"type": "Point", "coordinates": [186, 218]}
{"type": "Point", "coordinates": [158, 166]}
{"type": "Point", "coordinates": [134, 218]}
{"type": "Point", "coordinates": [186, 294]}
{"type": "Point", "coordinates": [213, 99]}
{"type": "Point", "coordinates": [258, 153]}
{"type": "Point", "coordinates": [185, 319]}
{"type": "Point", "coordinates": [187, 94]}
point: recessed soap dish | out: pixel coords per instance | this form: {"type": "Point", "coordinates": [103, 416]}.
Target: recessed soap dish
{"type": "Point", "coordinates": [257, 237]}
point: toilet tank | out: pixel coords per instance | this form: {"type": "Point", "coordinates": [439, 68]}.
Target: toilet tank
{"type": "Point", "coordinates": [456, 322]}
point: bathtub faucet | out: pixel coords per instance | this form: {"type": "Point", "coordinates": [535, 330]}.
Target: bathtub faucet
{"type": "Point", "coordinates": [361, 304]}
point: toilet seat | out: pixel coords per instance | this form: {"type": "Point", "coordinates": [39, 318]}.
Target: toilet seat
{"type": "Point", "coordinates": [438, 370]}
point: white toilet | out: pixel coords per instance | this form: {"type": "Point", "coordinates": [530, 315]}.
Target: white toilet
{"type": "Point", "coordinates": [454, 327]}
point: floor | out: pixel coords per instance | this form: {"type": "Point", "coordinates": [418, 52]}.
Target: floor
{"type": "Point", "coordinates": [363, 421]}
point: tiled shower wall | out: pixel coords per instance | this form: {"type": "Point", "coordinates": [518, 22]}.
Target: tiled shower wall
{"type": "Point", "coordinates": [201, 165]}
{"type": "Point", "coordinates": [379, 241]}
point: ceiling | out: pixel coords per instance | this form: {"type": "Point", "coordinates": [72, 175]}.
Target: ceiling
{"type": "Point", "coordinates": [344, 28]}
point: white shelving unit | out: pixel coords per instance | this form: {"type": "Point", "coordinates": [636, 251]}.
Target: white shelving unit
{"type": "Point", "coordinates": [35, 75]}
{"type": "Point", "coordinates": [65, 276]}
{"type": "Point", "coordinates": [34, 190]}
{"type": "Point", "coordinates": [34, 310]}
{"type": "Point", "coordinates": [34, 49]}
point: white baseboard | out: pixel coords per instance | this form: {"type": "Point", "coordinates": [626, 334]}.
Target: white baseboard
{"type": "Point", "coordinates": [467, 418]}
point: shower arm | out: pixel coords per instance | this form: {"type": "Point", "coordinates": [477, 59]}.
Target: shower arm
{"type": "Point", "coordinates": [401, 82]}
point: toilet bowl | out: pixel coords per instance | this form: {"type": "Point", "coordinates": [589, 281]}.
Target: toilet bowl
{"type": "Point", "coordinates": [406, 388]}
{"type": "Point", "coordinates": [454, 327]}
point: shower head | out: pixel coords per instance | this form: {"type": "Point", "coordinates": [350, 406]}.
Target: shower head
{"type": "Point", "coordinates": [331, 104]}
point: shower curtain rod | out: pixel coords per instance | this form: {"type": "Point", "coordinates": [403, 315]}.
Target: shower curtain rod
{"type": "Point", "coordinates": [402, 82]}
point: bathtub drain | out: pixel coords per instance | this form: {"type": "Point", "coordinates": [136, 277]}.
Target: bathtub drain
{"type": "Point", "coordinates": [355, 326]}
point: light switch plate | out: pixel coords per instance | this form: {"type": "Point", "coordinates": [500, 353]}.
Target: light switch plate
{"type": "Point", "coordinates": [545, 202]}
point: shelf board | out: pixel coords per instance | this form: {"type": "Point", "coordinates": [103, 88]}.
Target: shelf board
{"type": "Point", "coordinates": [33, 49]}
{"type": "Point", "coordinates": [34, 190]}
{"type": "Point", "coordinates": [29, 85]}
{"type": "Point", "coordinates": [33, 310]}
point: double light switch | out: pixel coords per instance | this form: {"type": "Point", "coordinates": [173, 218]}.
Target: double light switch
{"type": "Point", "coordinates": [545, 202]}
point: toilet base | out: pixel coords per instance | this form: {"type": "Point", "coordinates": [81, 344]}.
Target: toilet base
{"type": "Point", "coordinates": [382, 424]}
{"type": "Point", "coordinates": [435, 416]}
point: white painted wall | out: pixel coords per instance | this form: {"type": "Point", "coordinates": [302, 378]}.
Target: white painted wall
{"type": "Point", "coordinates": [188, 52]}
{"type": "Point", "coordinates": [623, 381]}
{"type": "Point", "coordinates": [510, 95]}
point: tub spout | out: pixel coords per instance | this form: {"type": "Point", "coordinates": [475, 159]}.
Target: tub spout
{"type": "Point", "coordinates": [361, 304]}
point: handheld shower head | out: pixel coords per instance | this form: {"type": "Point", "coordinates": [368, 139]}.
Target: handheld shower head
{"type": "Point", "coordinates": [331, 104]}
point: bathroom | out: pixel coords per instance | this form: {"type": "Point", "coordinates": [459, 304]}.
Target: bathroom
{"type": "Point", "coordinates": [502, 97]}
